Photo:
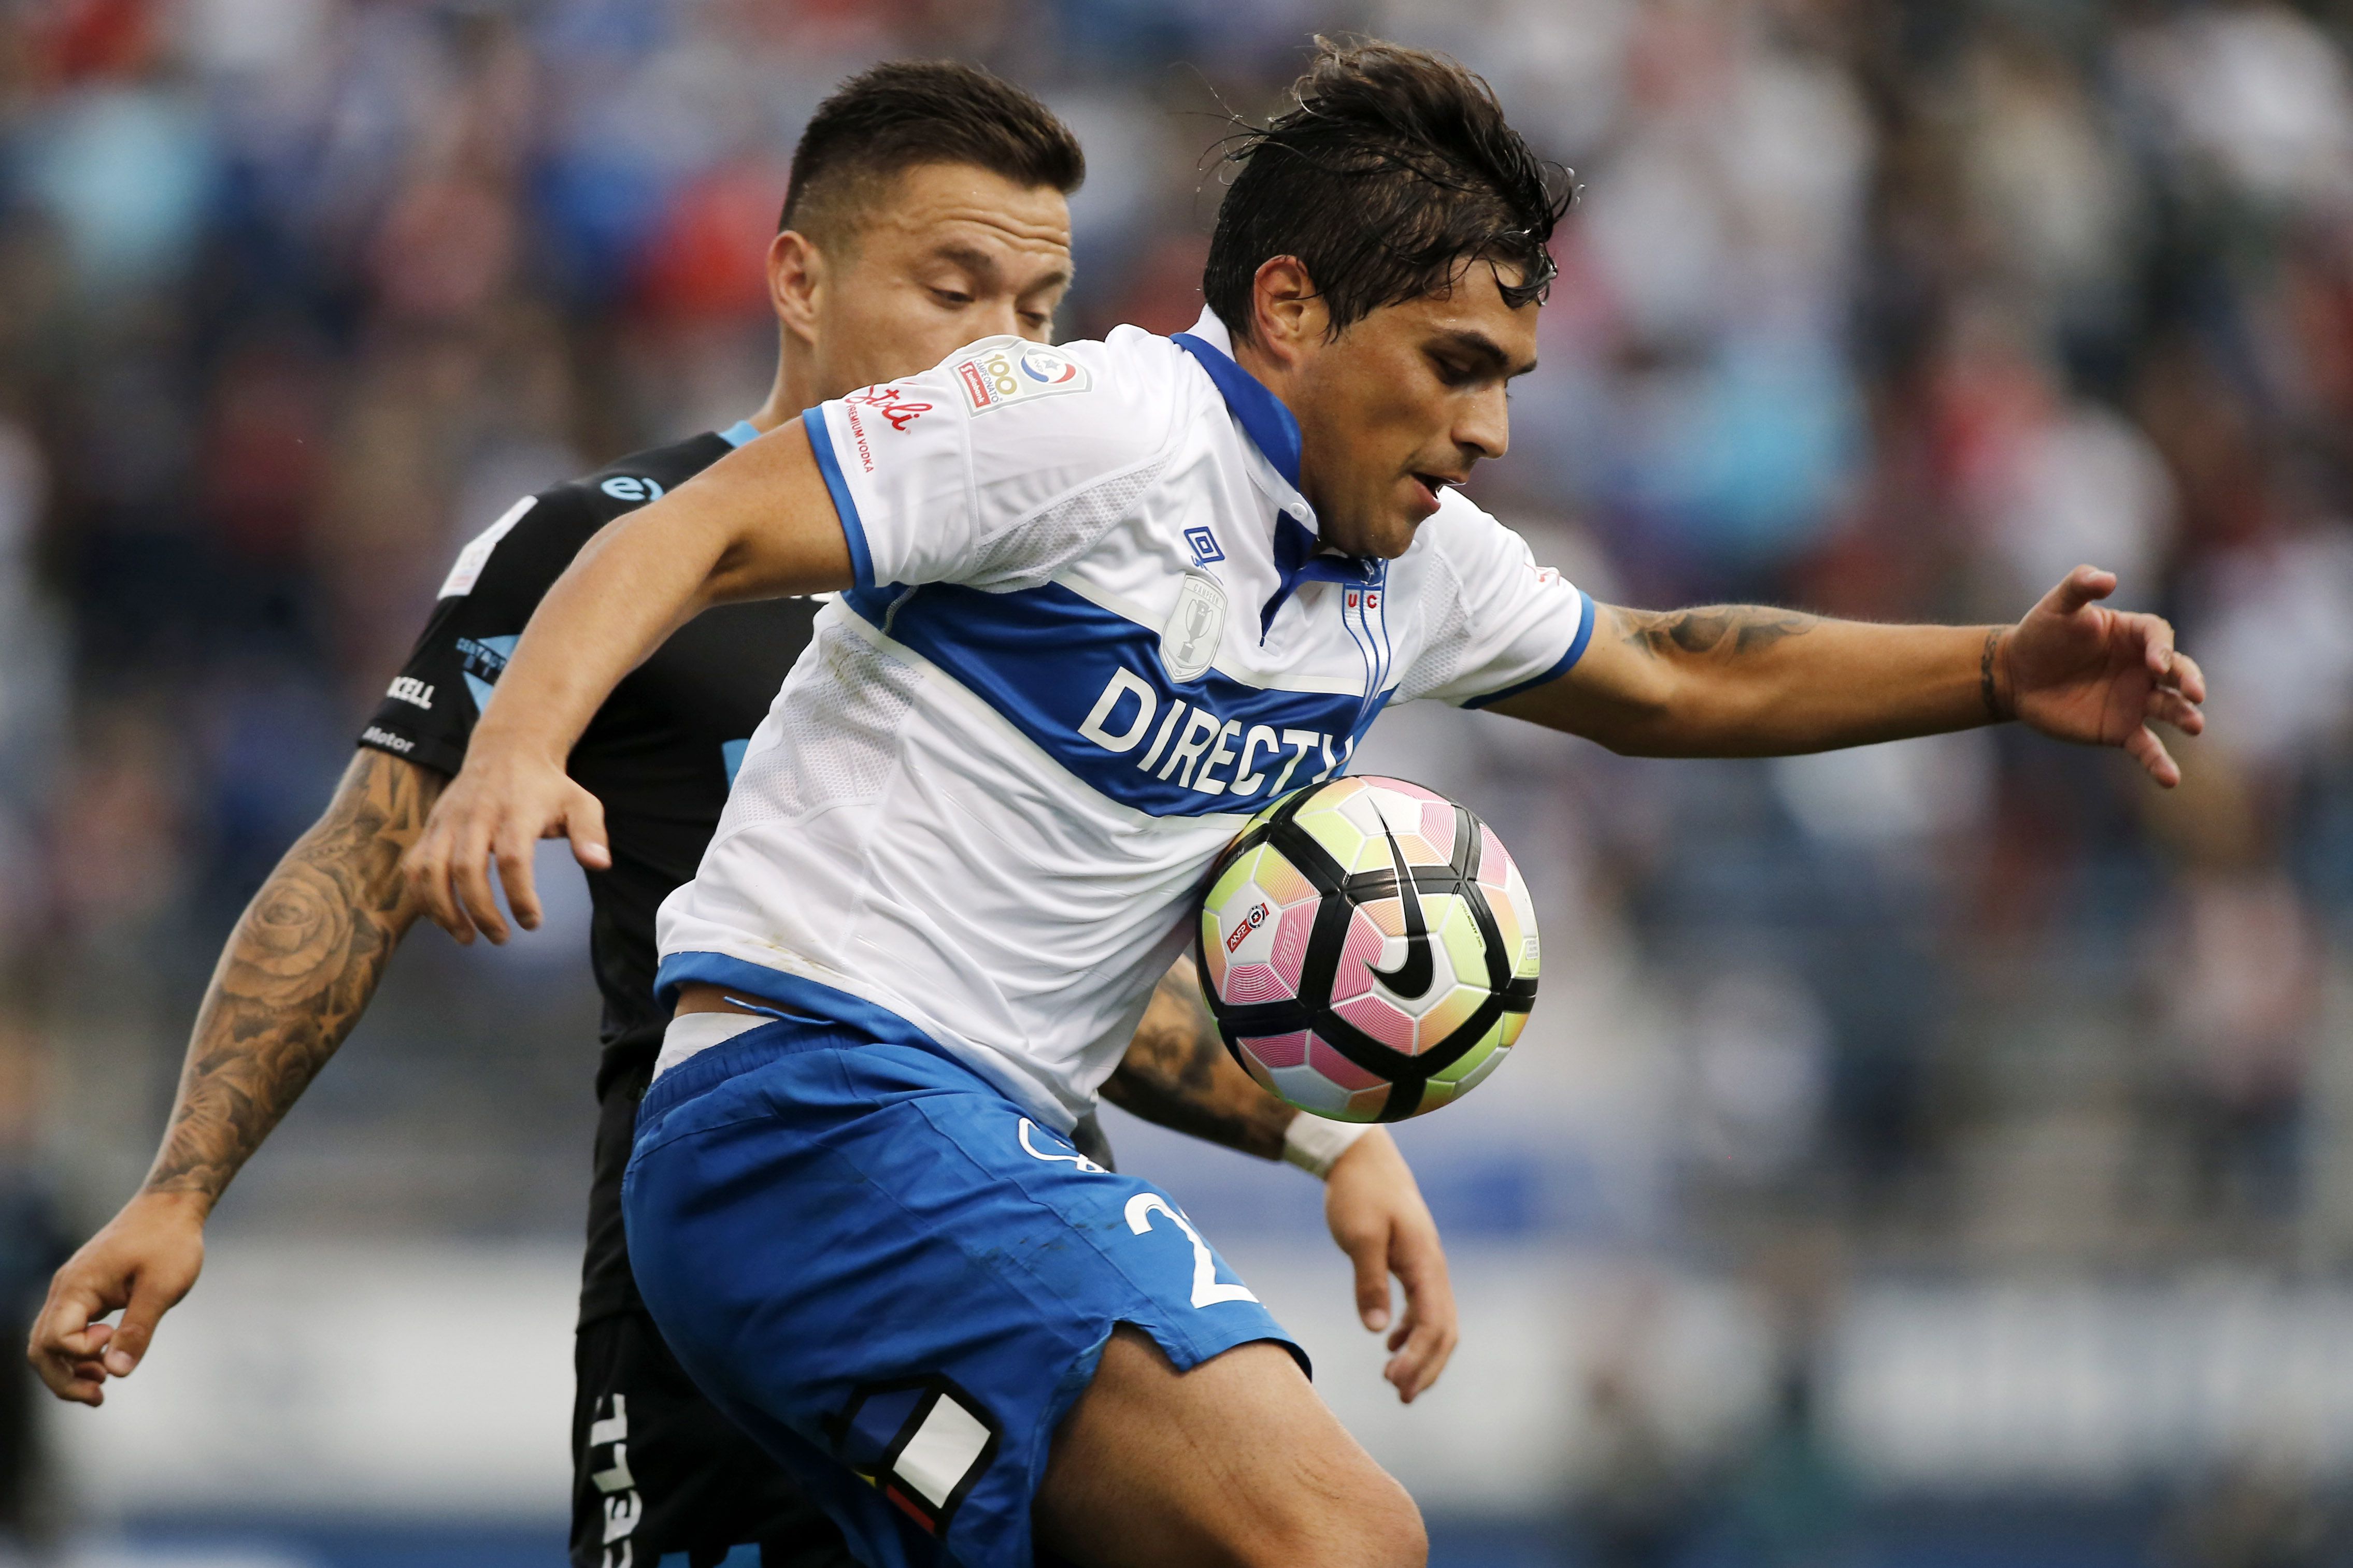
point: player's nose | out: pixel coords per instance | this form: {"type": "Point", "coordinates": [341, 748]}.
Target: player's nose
{"type": "Point", "coordinates": [1484, 427]}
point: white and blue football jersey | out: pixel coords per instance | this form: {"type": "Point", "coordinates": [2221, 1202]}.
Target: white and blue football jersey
{"type": "Point", "coordinates": [1092, 630]}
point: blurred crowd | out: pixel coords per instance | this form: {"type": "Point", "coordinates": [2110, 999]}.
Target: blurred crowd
{"type": "Point", "coordinates": [1882, 308]}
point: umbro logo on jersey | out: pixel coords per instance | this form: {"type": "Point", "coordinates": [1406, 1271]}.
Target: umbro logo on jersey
{"type": "Point", "coordinates": [1204, 545]}
{"type": "Point", "coordinates": [1008, 370]}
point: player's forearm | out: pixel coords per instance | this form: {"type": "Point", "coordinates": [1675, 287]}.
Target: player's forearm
{"type": "Point", "coordinates": [1178, 1074]}
{"type": "Point", "coordinates": [296, 975]}
{"type": "Point", "coordinates": [759, 523]}
{"type": "Point", "coordinates": [1745, 681]}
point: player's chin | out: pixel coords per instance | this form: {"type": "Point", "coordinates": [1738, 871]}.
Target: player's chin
{"type": "Point", "coordinates": [1401, 520]}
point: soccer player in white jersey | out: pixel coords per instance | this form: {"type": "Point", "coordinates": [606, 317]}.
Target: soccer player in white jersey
{"type": "Point", "coordinates": [927, 208]}
{"type": "Point", "coordinates": [1101, 601]}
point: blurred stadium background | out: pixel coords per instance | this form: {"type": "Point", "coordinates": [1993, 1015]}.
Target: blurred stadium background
{"type": "Point", "coordinates": [1938, 1154]}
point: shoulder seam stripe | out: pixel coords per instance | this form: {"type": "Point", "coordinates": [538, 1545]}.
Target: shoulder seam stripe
{"type": "Point", "coordinates": [820, 440]}
{"type": "Point", "coordinates": [1560, 667]}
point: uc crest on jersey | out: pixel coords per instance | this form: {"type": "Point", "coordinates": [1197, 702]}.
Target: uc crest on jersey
{"type": "Point", "coordinates": [1188, 643]}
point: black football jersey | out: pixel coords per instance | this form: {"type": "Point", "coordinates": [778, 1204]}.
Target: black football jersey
{"type": "Point", "coordinates": [660, 753]}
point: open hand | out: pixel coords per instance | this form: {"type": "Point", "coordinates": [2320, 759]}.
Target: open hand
{"type": "Point", "coordinates": [142, 1263]}
{"type": "Point", "coordinates": [1375, 1209]}
{"type": "Point", "coordinates": [500, 804]}
{"type": "Point", "coordinates": [2079, 671]}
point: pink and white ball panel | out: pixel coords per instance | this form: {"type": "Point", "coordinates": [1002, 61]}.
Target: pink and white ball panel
{"type": "Point", "coordinates": [1308, 946]}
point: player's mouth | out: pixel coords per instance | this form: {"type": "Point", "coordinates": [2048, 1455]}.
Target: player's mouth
{"type": "Point", "coordinates": [1427, 488]}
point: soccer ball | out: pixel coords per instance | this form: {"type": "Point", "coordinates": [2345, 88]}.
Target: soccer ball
{"type": "Point", "coordinates": [1368, 949]}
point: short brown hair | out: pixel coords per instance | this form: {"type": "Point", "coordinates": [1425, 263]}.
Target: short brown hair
{"type": "Point", "coordinates": [1392, 172]}
{"type": "Point", "coordinates": [903, 114]}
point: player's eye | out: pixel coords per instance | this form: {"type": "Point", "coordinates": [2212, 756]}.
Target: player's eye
{"type": "Point", "coordinates": [1453, 372]}
{"type": "Point", "coordinates": [954, 300]}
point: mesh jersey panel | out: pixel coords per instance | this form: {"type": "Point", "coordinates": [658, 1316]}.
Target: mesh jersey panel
{"type": "Point", "coordinates": [1029, 553]}
{"type": "Point", "coordinates": [838, 734]}
{"type": "Point", "coordinates": [1448, 641]}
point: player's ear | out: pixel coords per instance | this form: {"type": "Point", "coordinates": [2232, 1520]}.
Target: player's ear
{"type": "Point", "coordinates": [1288, 318]}
{"type": "Point", "coordinates": [795, 276]}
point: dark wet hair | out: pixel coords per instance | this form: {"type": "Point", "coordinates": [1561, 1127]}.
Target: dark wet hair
{"type": "Point", "coordinates": [1393, 172]}
{"type": "Point", "coordinates": [899, 115]}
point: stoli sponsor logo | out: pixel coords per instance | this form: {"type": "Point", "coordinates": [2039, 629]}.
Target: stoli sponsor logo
{"type": "Point", "coordinates": [892, 403]}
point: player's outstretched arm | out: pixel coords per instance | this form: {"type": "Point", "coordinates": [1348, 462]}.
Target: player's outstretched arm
{"type": "Point", "coordinates": [296, 975]}
{"type": "Point", "coordinates": [1177, 1073]}
{"type": "Point", "coordinates": [1740, 680]}
{"type": "Point", "coordinates": [759, 523]}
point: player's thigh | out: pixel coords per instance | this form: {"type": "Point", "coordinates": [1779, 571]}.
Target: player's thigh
{"type": "Point", "coordinates": [1235, 1462]}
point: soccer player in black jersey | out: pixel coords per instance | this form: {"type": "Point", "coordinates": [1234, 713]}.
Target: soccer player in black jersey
{"type": "Point", "coordinates": [927, 210]}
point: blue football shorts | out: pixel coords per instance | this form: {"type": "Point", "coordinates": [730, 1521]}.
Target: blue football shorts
{"type": "Point", "coordinates": [897, 1281]}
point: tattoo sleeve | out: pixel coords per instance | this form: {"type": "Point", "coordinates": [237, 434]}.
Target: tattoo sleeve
{"type": "Point", "coordinates": [297, 974]}
{"type": "Point", "coordinates": [1731, 629]}
{"type": "Point", "coordinates": [1177, 1073]}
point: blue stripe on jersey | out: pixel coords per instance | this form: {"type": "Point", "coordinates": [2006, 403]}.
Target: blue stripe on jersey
{"type": "Point", "coordinates": [1560, 667]}
{"type": "Point", "coordinates": [1088, 686]}
{"type": "Point", "coordinates": [820, 440]}
{"type": "Point", "coordinates": [742, 431]}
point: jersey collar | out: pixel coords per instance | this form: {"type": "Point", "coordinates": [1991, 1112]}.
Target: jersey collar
{"type": "Point", "coordinates": [1261, 413]}
{"type": "Point", "coordinates": [1275, 432]}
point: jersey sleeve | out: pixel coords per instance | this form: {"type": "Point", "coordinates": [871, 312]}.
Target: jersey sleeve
{"type": "Point", "coordinates": [427, 713]}
{"type": "Point", "coordinates": [1500, 623]}
{"type": "Point", "coordinates": [995, 467]}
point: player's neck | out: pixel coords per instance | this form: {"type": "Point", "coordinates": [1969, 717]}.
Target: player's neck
{"type": "Point", "coordinates": [1270, 374]}
{"type": "Point", "coordinates": [796, 387]}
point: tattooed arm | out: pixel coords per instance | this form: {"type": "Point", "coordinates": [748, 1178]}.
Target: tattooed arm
{"type": "Point", "coordinates": [1177, 1073]}
{"type": "Point", "coordinates": [1730, 680]}
{"type": "Point", "coordinates": [1736, 681]}
{"type": "Point", "coordinates": [294, 979]}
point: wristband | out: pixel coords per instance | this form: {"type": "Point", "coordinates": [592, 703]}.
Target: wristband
{"type": "Point", "coordinates": [1315, 1145]}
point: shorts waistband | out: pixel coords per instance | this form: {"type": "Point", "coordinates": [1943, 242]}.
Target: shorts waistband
{"type": "Point", "coordinates": [755, 1047]}
{"type": "Point", "coordinates": [808, 1016]}
{"type": "Point", "coordinates": [709, 1068]}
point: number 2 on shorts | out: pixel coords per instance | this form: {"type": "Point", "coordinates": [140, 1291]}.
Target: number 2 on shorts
{"type": "Point", "coordinates": [1207, 1290]}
